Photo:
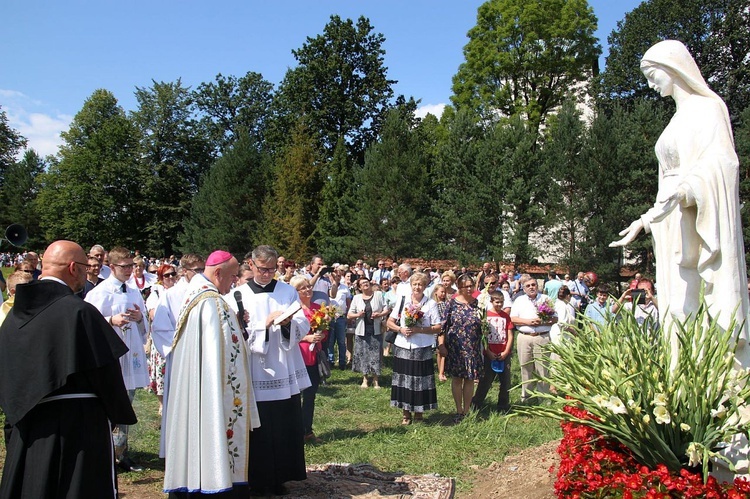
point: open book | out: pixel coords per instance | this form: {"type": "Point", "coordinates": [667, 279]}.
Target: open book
{"type": "Point", "coordinates": [290, 311]}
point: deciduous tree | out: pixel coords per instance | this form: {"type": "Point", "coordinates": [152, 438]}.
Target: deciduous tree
{"type": "Point", "coordinates": [717, 33]}
{"type": "Point", "coordinates": [524, 57]}
{"type": "Point", "coordinates": [340, 85]}
{"type": "Point", "coordinates": [94, 193]}
{"type": "Point", "coordinates": [234, 106]}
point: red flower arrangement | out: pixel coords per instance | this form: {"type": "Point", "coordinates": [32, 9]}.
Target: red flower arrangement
{"type": "Point", "coordinates": [594, 466]}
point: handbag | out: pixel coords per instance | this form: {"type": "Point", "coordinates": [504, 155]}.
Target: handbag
{"type": "Point", "coordinates": [390, 335]}
{"type": "Point", "coordinates": [324, 366]}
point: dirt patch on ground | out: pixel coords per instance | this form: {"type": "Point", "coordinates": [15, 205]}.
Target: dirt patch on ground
{"type": "Point", "coordinates": [530, 474]}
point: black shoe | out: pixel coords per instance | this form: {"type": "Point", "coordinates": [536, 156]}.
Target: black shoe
{"type": "Point", "coordinates": [126, 464]}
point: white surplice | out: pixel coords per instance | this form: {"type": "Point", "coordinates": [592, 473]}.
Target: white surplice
{"type": "Point", "coordinates": [277, 366]}
{"type": "Point", "coordinates": [110, 300]}
{"type": "Point", "coordinates": [211, 406]}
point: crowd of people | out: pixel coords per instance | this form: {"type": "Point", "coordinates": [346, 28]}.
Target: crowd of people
{"type": "Point", "coordinates": [234, 351]}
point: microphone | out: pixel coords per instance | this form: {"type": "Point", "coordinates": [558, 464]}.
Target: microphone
{"type": "Point", "coordinates": [241, 312]}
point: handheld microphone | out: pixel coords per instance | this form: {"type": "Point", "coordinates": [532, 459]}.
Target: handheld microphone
{"type": "Point", "coordinates": [241, 312]}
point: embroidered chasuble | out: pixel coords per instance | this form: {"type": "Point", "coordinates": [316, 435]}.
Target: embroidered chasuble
{"type": "Point", "coordinates": [211, 406]}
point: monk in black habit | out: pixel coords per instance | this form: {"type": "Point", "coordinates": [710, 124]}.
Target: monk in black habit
{"type": "Point", "coordinates": [61, 386]}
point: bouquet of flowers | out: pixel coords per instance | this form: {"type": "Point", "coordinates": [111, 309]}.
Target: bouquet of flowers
{"type": "Point", "coordinates": [412, 315]}
{"type": "Point", "coordinates": [545, 310]}
{"type": "Point", "coordinates": [322, 317]}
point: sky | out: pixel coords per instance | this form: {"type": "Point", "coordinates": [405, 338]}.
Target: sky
{"type": "Point", "coordinates": [54, 54]}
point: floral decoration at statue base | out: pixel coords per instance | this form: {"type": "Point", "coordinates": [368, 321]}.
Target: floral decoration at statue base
{"type": "Point", "coordinates": [638, 419]}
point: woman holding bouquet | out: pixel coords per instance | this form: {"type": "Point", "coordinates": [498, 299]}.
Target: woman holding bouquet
{"type": "Point", "coordinates": [462, 346]}
{"type": "Point", "coordinates": [369, 309]}
{"type": "Point", "coordinates": [309, 346]}
{"type": "Point", "coordinates": [416, 319]}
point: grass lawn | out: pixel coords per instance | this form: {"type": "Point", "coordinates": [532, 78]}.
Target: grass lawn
{"type": "Point", "coordinates": [359, 426]}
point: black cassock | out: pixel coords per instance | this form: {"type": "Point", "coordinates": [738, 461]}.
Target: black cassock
{"type": "Point", "coordinates": [61, 389]}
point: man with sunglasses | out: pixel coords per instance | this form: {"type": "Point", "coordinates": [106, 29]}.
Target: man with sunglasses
{"type": "Point", "coordinates": [61, 386]}
{"type": "Point", "coordinates": [123, 308]}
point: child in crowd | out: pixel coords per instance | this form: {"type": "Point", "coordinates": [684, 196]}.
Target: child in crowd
{"type": "Point", "coordinates": [499, 344]}
{"type": "Point", "coordinates": [16, 278]}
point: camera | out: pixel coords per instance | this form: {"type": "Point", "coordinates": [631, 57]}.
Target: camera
{"type": "Point", "coordinates": [326, 270]}
{"type": "Point", "coordinates": [638, 296]}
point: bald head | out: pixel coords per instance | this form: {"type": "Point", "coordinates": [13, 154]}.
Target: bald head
{"type": "Point", "coordinates": [66, 260]}
{"type": "Point", "coordinates": [223, 274]}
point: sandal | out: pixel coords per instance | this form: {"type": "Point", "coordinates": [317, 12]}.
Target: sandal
{"type": "Point", "coordinates": [458, 418]}
{"type": "Point", "coordinates": [418, 417]}
{"type": "Point", "coordinates": [406, 421]}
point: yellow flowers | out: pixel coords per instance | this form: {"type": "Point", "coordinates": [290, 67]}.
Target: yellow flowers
{"type": "Point", "coordinates": [237, 401]}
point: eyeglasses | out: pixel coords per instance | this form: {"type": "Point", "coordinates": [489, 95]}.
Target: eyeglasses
{"type": "Point", "coordinates": [530, 285]}
{"type": "Point", "coordinates": [170, 274]}
{"type": "Point", "coordinates": [493, 283]}
{"type": "Point", "coordinates": [197, 270]}
{"type": "Point", "coordinates": [30, 271]}
{"type": "Point", "coordinates": [126, 266]}
{"type": "Point", "coordinates": [264, 270]}
{"type": "Point", "coordinates": [304, 287]}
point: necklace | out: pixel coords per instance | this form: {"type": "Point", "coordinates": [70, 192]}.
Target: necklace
{"type": "Point", "coordinates": [140, 284]}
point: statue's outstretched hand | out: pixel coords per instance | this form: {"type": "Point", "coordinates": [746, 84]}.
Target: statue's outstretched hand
{"type": "Point", "coordinates": [630, 234]}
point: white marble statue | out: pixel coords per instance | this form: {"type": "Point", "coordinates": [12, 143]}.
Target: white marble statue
{"type": "Point", "coordinates": [695, 221]}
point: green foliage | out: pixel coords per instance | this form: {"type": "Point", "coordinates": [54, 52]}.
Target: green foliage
{"type": "Point", "coordinates": [467, 211]}
{"type": "Point", "coordinates": [11, 142]}
{"type": "Point", "coordinates": [176, 152]}
{"type": "Point", "coordinates": [668, 407]}
{"type": "Point", "coordinates": [335, 229]}
{"type": "Point", "coordinates": [717, 33]}
{"type": "Point", "coordinates": [291, 211]}
{"type": "Point", "coordinates": [19, 190]}
{"type": "Point", "coordinates": [340, 84]}
{"type": "Point", "coordinates": [94, 193]}
{"type": "Point", "coordinates": [742, 143]}
{"type": "Point", "coordinates": [524, 57]}
{"type": "Point", "coordinates": [623, 172]}
{"type": "Point", "coordinates": [227, 210]}
{"type": "Point", "coordinates": [510, 154]}
{"type": "Point", "coordinates": [393, 195]}
{"type": "Point", "coordinates": [235, 106]}
{"type": "Point", "coordinates": [567, 207]}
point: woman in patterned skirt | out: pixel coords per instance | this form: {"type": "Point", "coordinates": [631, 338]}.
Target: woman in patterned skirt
{"type": "Point", "coordinates": [369, 309]}
{"type": "Point", "coordinates": [417, 322]}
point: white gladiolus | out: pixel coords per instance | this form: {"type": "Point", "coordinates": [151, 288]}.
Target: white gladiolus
{"type": "Point", "coordinates": [685, 427]}
{"type": "Point", "coordinates": [600, 400]}
{"type": "Point", "coordinates": [719, 412]}
{"type": "Point", "coordinates": [616, 406]}
{"type": "Point", "coordinates": [660, 400]}
{"type": "Point", "coordinates": [662, 415]}
{"type": "Point", "coordinates": [695, 456]}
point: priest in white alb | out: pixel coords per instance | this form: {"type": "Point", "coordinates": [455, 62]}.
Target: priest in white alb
{"type": "Point", "coordinates": [211, 408]}
{"type": "Point", "coordinates": [277, 449]}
